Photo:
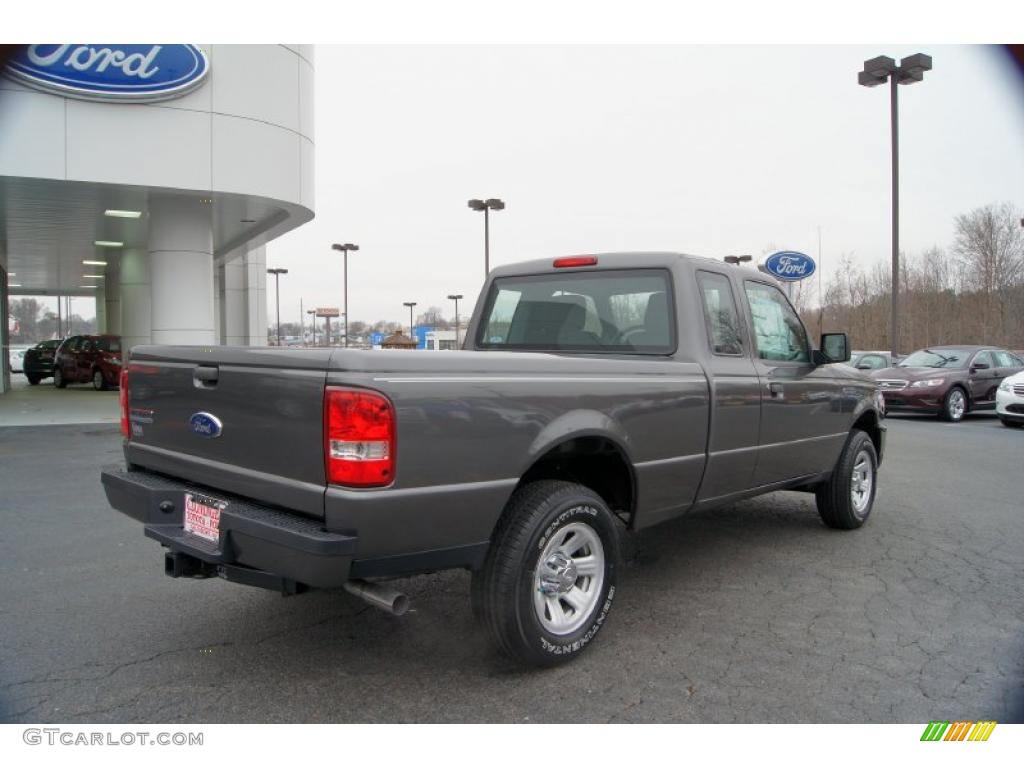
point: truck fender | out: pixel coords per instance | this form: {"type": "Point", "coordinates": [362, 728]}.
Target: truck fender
{"type": "Point", "coordinates": [578, 423]}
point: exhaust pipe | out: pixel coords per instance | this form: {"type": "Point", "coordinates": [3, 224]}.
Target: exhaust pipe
{"type": "Point", "coordinates": [378, 596]}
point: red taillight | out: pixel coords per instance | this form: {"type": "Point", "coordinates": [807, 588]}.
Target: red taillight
{"type": "Point", "coordinates": [359, 437]}
{"type": "Point", "coordinates": [123, 398]}
{"type": "Point", "coordinates": [576, 261]}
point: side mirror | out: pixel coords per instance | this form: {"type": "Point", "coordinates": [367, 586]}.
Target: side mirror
{"type": "Point", "coordinates": [980, 367]}
{"type": "Point", "coordinates": [862, 367]}
{"type": "Point", "coordinates": [835, 348]}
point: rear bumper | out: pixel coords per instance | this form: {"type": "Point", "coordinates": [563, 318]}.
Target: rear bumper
{"type": "Point", "coordinates": [258, 545]}
{"type": "Point", "coordinates": [42, 370]}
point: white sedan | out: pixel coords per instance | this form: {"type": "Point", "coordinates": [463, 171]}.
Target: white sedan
{"type": "Point", "coordinates": [14, 358]}
{"type": "Point", "coordinates": [1010, 400]}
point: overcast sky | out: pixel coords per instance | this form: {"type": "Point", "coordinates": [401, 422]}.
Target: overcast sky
{"type": "Point", "coordinates": [709, 150]}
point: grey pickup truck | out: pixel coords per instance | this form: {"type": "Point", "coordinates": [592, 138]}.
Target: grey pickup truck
{"type": "Point", "coordinates": [593, 393]}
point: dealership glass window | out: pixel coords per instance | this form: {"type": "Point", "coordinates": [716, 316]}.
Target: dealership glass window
{"type": "Point", "coordinates": [720, 316]}
{"type": "Point", "coordinates": [608, 311]}
{"type": "Point", "coordinates": [778, 332]}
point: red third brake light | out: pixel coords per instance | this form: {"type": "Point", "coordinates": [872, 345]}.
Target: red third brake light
{"type": "Point", "coordinates": [359, 438]}
{"type": "Point", "coordinates": [123, 400]}
{"type": "Point", "coordinates": [576, 261]}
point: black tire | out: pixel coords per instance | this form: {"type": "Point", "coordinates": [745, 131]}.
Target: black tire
{"type": "Point", "coordinates": [1012, 424]}
{"type": "Point", "coordinates": [58, 379]}
{"type": "Point", "coordinates": [98, 382]}
{"type": "Point", "coordinates": [949, 410]}
{"type": "Point", "coordinates": [505, 592]}
{"type": "Point", "coordinates": [835, 497]}
{"type": "Point", "coordinates": [33, 380]}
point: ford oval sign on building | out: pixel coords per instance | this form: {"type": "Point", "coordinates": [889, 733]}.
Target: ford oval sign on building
{"type": "Point", "coordinates": [109, 71]}
{"type": "Point", "coordinates": [789, 265]}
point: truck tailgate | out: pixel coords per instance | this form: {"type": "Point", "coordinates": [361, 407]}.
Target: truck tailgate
{"type": "Point", "coordinates": [267, 406]}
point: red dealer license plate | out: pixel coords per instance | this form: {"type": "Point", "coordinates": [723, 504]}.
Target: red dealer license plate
{"type": "Point", "coordinates": [202, 516]}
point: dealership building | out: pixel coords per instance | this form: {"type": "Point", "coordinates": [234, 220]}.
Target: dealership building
{"type": "Point", "coordinates": [152, 177]}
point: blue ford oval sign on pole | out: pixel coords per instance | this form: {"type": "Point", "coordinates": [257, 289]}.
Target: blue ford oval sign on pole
{"type": "Point", "coordinates": [111, 72]}
{"type": "Point", "coordinates": [791, 266]}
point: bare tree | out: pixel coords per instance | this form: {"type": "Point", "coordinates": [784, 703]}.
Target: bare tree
{"type": "Point", "coordinates": [990, 246]}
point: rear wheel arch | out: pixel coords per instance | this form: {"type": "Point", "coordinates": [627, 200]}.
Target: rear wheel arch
{"type": "Point", "coordinates": [595, 461]}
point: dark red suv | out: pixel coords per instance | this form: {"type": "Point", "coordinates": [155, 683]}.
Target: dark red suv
{"type": "Point", "coordinates": [88, 358]}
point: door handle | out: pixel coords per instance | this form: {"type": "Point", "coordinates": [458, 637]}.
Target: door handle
{"type": "Point", "coordinates": [775, 388]}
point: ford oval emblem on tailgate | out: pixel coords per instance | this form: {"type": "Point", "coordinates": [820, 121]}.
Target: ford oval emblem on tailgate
{"type": "Point", "coordinates": [205, 424]}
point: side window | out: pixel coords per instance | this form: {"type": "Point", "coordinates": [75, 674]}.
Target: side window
{"type": "Point", "coordinates": [503, 312]}
{"type": "Point", "coordinates": [720, 316]}
{"type": "Point", "coordinates": [778, 332]}
{"type": "Point", "coordinates": [983, 358]}
{"type": "Point", "coordinates": [1004, 359]}
{"type": "Point", "coordinates": [88, 345]}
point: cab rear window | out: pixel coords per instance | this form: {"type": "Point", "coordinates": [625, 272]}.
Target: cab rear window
{"type": "Point", "coordinates": [627, 311]}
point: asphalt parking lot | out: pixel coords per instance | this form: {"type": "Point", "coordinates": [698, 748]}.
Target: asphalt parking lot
{"type": "Point", "coordinates": [753, 613]}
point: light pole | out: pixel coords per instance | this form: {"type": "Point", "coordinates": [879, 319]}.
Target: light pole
{"type": "Point", "coordinates": [488, 205]}
{"type": "Point", "coordinates": [345, 248]}
{"type": "Point", "coordinates": [737, 260]}
{"type": "Point", "coordinates": [313, 319]}
{"type": "Point", "coordinates": [410, 305]}
{"type": "Point", "coordinates": [277, 297]}
{"type": "Point", "coordinates": [876, 71]}
{"type": "Point", "coordinates": [455, 297]}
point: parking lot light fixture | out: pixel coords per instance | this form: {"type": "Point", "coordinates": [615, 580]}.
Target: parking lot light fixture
{"type": "Point", "coordinates": [488, 205]}
{"type": "Point", "coordinates": [876, 72]}
{"type": "Point", "coordinates": [410, 305]}
{"type": "Point", "coordinates": [345, 248]}
{"type": "Point", "coordinates": [737, 260]}
{"type": "Point", "coordinates": [313, 320]}
{"type": "Point", "coordinates": [277, 297]}
{"type": "Point", "coordinates": [455, 297]}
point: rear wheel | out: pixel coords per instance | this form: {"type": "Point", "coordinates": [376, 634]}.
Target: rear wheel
{"type": "Point", "coordinates": [845, 501]}
{"type": "Point", "coordinates": [549, 578]}
{"type": "Point", "coordinates": [954, 405]}
{"type": "Point", "coordinates": [98, 382]}
{"type": "Point", "coordinates": [58, 379]}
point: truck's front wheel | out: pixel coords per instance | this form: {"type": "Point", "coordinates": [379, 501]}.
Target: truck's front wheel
{"type": "Point", "coordinates": [845, 501]}
{"type": "Point", "coordinates": [549, 578]}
